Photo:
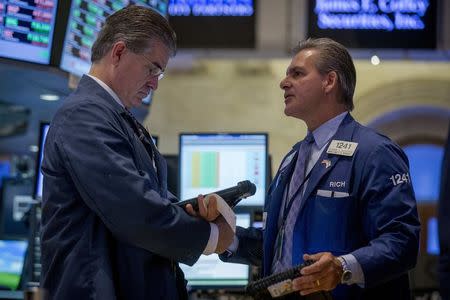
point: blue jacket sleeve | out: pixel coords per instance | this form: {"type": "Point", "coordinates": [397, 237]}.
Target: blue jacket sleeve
{"type": "Point", "coordinates": [390, 220]}
{"type": "Point", "coordinates": [249, 251]}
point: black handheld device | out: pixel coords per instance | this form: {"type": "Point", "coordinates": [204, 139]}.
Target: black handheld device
{"type": "Point", "coordinates": [272, 286]}
{"type": "Point", "coordinates": [259, 287]}
{"type": "Point", "coordinates": [231, 195]}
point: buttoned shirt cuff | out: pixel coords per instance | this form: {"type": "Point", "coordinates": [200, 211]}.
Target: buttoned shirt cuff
{"type": "Point", "coordinates": [355, 267]}
{"type": "Point", "coordinates": [231, 250]}
{"type": "Point", "coordinates": [213, 239]}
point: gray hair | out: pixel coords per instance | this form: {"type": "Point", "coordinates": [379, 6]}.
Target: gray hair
{"type": "Point", "coordinates": [333, 57]}
{"type": "Point", "coordinates": [137, 27]}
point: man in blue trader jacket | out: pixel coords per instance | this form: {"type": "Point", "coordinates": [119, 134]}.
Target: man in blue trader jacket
{"type": "Point", "coordinates": [110, 229]}
{"type": "Point", "coordinates": [353, 210]}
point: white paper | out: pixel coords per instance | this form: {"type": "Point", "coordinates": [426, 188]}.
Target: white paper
{"type": "Point", "coordinates": [224, 210]}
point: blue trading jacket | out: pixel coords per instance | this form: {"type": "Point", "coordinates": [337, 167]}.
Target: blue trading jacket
{"type": "Point", "coordinates": [110, 229]}
{"type": "Point", "coordinates": [376, 220]}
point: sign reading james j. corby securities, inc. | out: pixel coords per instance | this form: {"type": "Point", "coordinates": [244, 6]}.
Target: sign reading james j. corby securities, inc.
{"type": "Point", "coordinates": [375, 23]}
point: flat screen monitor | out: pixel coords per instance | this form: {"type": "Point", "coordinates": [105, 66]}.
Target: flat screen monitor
{"type": "Point", "coordinates": [432, 236]}
{"type": "Point", "coordinates": [406, 24]}
{"type": "Point", "coordinates": [12, 257]}
{"type": "Point", "coordinates": [211, 162]}
{"type": "Point", "coordinates": [39, 177]}
{"type": "Point", "coordinates": [86, 18]}
{"type": "Point", "coordinates": [5, 169]}
{"type": "Point", "coordinates": [16, 202]}
{"type": "Point", "coordinates": [213, 23]}
{"type": "Point", "coordinates": [26, 29]}
{"type": "Point", "coordinates": [210, 272]}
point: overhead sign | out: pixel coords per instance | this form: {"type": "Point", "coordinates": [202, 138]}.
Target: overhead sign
{"type": "Point", "coordinates": [375, 23]}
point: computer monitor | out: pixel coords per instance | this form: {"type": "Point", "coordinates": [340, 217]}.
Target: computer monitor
{"type": "Point", "coordinates": [432, 236]}
{"type": "Point", "coordinates": [12, 256]}
{"type": "Point", "coordinates": [215, 161]}
{"type": "Point", "coordinates": [209, 272]}
{"type": "Point", "coordinates": [86, 18]}
{"type": "Point", "coordinates": [16, 201]}
{"type": "Point", "coordinates": [43, 129]}
{"type": "Point", "coordinates": [26, 30]}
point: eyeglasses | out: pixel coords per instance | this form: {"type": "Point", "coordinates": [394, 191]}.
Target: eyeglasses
{"type": "Point", "coordinates": [154, 70]}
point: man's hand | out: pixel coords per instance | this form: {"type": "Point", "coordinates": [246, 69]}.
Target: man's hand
{"type": "Point", "coordinates": [323, 275]}
{"type": "Point", "coordinates": [226, 235]}
{"type": "Point", "coordinates": [208, 211]}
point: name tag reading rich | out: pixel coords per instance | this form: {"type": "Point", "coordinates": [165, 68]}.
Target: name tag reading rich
{"type": "Point", "coordinates": [344, 148]}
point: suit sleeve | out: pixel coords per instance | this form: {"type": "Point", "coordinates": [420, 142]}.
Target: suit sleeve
{"type": "Point", "coordinates": [99, 158]}
{"type": "Point", "coordinates": [389, 216]}
{"type": "Point", "coordinates": [250, 250]}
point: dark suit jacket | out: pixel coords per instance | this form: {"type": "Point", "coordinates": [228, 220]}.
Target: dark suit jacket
{"type": "Point", "coordinates": [373, 216]}
{"type": "Point", "coordinates": [110, 229]}
{"type": "Point", "coordinates": [444, 225]}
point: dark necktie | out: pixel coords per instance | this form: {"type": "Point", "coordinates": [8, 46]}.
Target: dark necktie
{"type": "Point", "coordinates": [300, 167]}
{"type": "Point", "coordinates": [142, 135]}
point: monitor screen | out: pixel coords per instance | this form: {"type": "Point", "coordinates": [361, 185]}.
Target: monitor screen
{"type": "Point", "coordinates": [432, 236]}
{"type": "Point", "coordinates": [408, 24]}
{"type": "Point", "coordinates": [39, 177]}
{"type": "Point", "coordinates": [26, 29]}
{"type": "Point", "coordinates": [210, 272]}
{"type": "Point", "coordinates": [425, 162]}
{"type": "Point", "coordinates": [12, 256]}
{"type": "Point", "coordinates": [16, 195]}
{"type": "Point", "coordinates": [213, 23]}
{"type": "Point", "coordinates": [85, 21]}
{"type": "Point", "coordinates": [211, 162]}
{"type": "Point", "coordinates": [5, 167]}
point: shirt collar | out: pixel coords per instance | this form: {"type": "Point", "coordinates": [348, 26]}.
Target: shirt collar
{"type": "Point", "coordinates": [108, 89]}
{"type": "Point", "coordinates": [324, 132]}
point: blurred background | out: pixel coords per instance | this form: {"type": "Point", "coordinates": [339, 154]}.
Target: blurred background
{"type": "Point", "coordinates": [222, 89]}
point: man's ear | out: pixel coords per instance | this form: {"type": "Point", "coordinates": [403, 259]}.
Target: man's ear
{"type": "Point", "coordinates": [330, 81]}
{"type": "Point", "coordinates": [118, 49]}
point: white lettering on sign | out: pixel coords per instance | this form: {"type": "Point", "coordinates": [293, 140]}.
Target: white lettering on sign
{"type": "Point", "coordinates": [386, 15]}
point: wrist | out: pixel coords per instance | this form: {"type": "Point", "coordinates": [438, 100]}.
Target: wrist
{"type": "Point", "coordinates": [346, 273]}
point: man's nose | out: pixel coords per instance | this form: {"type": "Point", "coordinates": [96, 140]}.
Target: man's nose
{"type": "Point", "coordinates": [284, 83]}
{"type": "Point", "coordinates": [153, 83]}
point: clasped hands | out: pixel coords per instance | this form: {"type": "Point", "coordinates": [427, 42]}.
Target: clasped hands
{"type": "Point", "coordinates": [210, 213]}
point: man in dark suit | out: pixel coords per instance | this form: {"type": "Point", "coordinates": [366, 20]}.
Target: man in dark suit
{"type": "Point", "coordinates": [342, 197]}
{"type": "Point", "coordinates": [444, 225]}
{"type": "Point", "coordinates": [110, 229]}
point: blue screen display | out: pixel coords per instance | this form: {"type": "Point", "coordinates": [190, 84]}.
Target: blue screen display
{"type": "Point", "coordinates": [375, 24]}
{"type": "Point", "coordinates": [213, 23]}
{"type": "Point", "coordinates": [425, 169]}
{"type": "Point", "coordinates": [12, 256]}
{"type": "Point", "coordinates": [432, 236]}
